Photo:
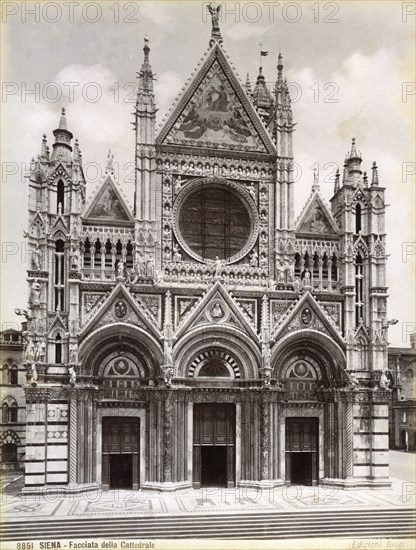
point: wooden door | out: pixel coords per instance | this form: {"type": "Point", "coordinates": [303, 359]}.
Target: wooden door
{"type": "Point", "coordinates": [214, 425]}
{"type": "Point", "coordinates": [302, 448]}
{"type": "Point", "coordinates": [120, 435]}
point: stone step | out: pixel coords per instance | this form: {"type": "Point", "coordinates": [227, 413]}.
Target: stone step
{"type": "Point", "coordinates": [303, 524]}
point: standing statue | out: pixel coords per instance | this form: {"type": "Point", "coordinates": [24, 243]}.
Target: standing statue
{"type": "Point", "coordinates": [254, 258]}
{"type": "Point", "coordinates": [177, 256]}
{"type": "Point", "coordinates": [178, 184]}
{"type": "Point", "coordinates": [72, 375]}
{"type": "Point", "coordinates": [281, 270]}
{"type": "Point", "coordinates": [167, 349]}
{"type": "Point", "coordinates": [141, 264]}
{"type": "Point", "coordinates": [218, 267]}
{"type": "Point", "coordinates": [73, 353]}
{"type": "Point", "coordinates": [158, 279]}
{"type": "Point", "coordinates": [40, 351]}
{"type": "Point", "coordinates": [290, 271]}
{"type": "Point", "coordinates": [215, 15]}
{"type": "Point", "coordinates": [34, 374]}
{"type": "Point", "coordinates": [384, 381]}
{"type": "Point", "coordinates": [37, 258]}
{"type": "Point", "coordinates": [74, 258]}
{"type": "Point", "coordinates": [120, 269]}
{"type": "Point", "coordinates": [35, 293]}
{"type": "Point", "coordinates": [30, 351]}
{"type": "Point", "coordinates": [306, 279]}
{"type": "Point", "coordinates": [150, 272]}
{"type": "Point", "coordinates": [297, 285]}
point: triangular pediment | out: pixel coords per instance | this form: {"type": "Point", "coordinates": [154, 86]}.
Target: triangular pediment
{"type": "Point", "coordinates": [57, 324]}
{"type": "Point", "coordinates": [120, 307]}
{"type": "Point", "coordinates": [214, 112]}
{"type": "Point", "coordinates": [316, 218]}
{"type": "Point", "coordinates": [217, 306]}
{"type": "Point", "coordinates": [306, 314]}
{"type": "Point", "coordinates": [108, 205]}
{"type": "Point", "coordinates": [58, 227]}
{"type": "Point", "coordinates": [60, 171]}
{"type": "Point", "coordinates": [361, 334]}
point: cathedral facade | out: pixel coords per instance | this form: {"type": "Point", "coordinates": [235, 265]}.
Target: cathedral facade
{"type": "Point", "coordinates": [205, 336]}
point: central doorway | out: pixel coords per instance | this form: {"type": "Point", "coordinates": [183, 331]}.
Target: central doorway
{"type": "Point", "coordinates": [302, 451]}
{"type": "Point", "coordinates": [120, 452]}
{"type": "Point", "coordinates": [214, 445]}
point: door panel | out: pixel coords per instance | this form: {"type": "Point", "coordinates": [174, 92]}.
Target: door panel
{"type": "Point", "coordinates": [302, 450]}
{"type": "Point", "coordinates": [120, 438]}
{"type": "Point", "coordinates": [214, 426]}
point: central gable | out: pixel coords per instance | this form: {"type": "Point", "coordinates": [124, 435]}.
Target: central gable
{"type": "Point", "coordinates": [214, 112]}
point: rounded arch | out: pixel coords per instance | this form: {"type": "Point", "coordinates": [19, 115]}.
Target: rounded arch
{"type": "Point", "coordinates": [311, 345]}
{"type": "Point", "coordinates": [107, 340]}
{"type": "Point", "coordinates": [214, 363]}
{"type": "Point", "coordinates": [226, 338]}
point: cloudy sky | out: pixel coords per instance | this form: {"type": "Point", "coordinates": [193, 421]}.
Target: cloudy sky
{"type": "Point", "coordinates": [349, 65]}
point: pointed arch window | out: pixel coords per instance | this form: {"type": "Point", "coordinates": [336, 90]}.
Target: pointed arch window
{"type": "Point", "coordinates": [60, 196]}
{"type": "Point", "coordinates": [5, 378]}
{"type": "Point", "coordinates": [298, 266]}
{"type": "Point", "coordinates": [97, 253]}
{"type": "Point", "coordinates": [359, 289]}
{"type": "Point", "coordinates": [325, 267]}
{"type": "Point", "coordinates": [358, 216]}
{"type": "Point", "coordinates": [58, 349]}
{"type": "Point", "coordinates": [334, 267]}
{"type": "Point", "coordinates": [59, 275]}
{"type": "Point", "coordinates": [119, 251]}
{"type": "Point", "coordinates": [316, 266]}
{"type": "Point", "coordinates": [108, 254]}
{"type": "Point", "coordinates": [87, 253]}
{"type": "Point", "coordinates": [9, 412]}
{"type": "Point", "coordinates": [13, 375]}
{"type": "Point", "coordinates": [129, 255]}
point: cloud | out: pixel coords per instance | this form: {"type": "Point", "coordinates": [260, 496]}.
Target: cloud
{"type": "Point", "coordinates": [243, 31]}
{"type": "Point", "coordinates": [362, 99]}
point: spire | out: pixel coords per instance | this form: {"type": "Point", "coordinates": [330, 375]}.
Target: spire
{"type": "Point", "coordinates": [374, 179]}
{"type": "Point", "coordinates": [354, 164]}
{"type": "Point", "coordinates": [44, 149]}
{"type": "Point", "coordinates": [365, 179]}
{"type": "Point", "coordinates": [62, 147]}
{"type": "Point", "coordinates": [279, 87]}
{"type": "Point", "coordinates": [62, 122]}
{"type": "Point", "coordinates": [248, 86]}
{"type": "Point", "coordinates": [77, 152]}
{"type": "Point", "coordinates": [146, 73]}
{"type": "Point", "coordinates": [261, 96]}
{"type": "Point", "coordinates": [168, 324]}
{"type": "Point", "coordinates": [336, 184]}
{"type": "Point", "coordinates": [265, 319]}
{"type": "Point", "coordinates": [215, 18]}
